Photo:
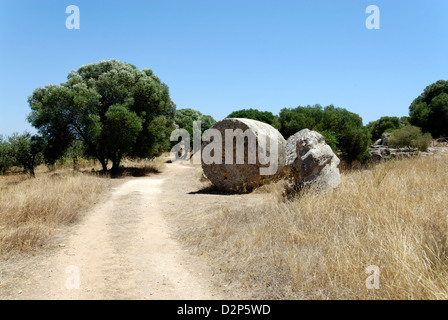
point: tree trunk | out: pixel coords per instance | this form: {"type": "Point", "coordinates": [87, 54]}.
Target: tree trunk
{"type": "Point", "coordinates": [103, 164]}
{"type": "Point", "coordinates": [28, 167]}
{"type": "Point", "coordinates": [75, 164]}
{"type": "Point", "coordinates": [32, 171]}
{"type": "Point", "coordinates": [115, 167]}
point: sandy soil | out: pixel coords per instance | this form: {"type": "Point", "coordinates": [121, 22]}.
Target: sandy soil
{"type": "Point", "coordinates": [123, 249]}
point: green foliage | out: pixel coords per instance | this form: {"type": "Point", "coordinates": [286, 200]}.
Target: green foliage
{"type": "Point", "coordinates": [25, 150]}
{"type": "Point", "coordinates": [384, 124]}
{"type": "Point", "coordinates": [354, 142]}
{"type": "Point", "coordinates": [184, 119]}
{"type": "Point", "coordinates": [410, 136]}
{"type": "Point", "coordinates": [404, 121]}
{"type": "Point", "coordinates": [114, 108]}
{"type": "Point", "coordinates": [352, 137]}
{"type": "Point", "coordinates": [6, 158]}
{"type": "Point", "coordinates": [330, 139]}
{"type": "Point", "coordinates": [276, 123]}
{"type": "Point", "coordinates": [429, 111]}
{"type": "Point", "coordinates": [254, 114]}
{"type": "Point", "coordinates": [75, 151]}
{"type": "Point", "coordinates": [294, 120]}
{"type": "Point", "coordinates": [121, 128]}
{"type": "Point", "coordinates": [207, 122]}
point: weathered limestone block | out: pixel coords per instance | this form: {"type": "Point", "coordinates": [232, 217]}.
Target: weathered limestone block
{"type": "Point", "coordinates": [257, 157]}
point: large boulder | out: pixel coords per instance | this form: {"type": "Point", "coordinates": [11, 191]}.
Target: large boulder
{"type": "Point", "coordinates": [311, 161]}
{"type": "Point", "coordinates": [261, 160]}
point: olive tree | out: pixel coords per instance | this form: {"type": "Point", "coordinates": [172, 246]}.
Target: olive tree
{"type": "Point", "coordinates": [6, 159]}
{"type": "Point", "coordinates": [26, 151]}
{"type": "Point", "coordinates": [115, 109]}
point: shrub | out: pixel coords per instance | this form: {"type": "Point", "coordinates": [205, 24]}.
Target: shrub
{"type": "Point", "coordinates": [353, 138]}
{"type": "Point", "coordinates": [184, 119]}
{"type": "Point", "coordinates": [5, 156]}
{"type": "Point", "coordinates": [25, 150]}
{"type": "Point", "coordinates": [384, 124]}
{"type": "Point", "coordinates": [410, 136]}
{"type": "Point", "coordinates": [330, 139]}
{"type": "Point", "coordinates": [430, 110]}
{"type": "Point", "coordinates": [254, 114]}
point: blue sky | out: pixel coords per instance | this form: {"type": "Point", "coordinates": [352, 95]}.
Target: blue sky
{"type": "Point", "coordinates": [218, 56]}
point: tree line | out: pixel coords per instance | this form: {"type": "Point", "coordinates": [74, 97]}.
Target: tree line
{"type": "Point", "coordinates": [345, 133]}
{"type": "Point", "coordinates": [110, 110]}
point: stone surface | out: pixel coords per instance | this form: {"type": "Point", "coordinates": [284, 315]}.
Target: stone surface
{"type": "Point", "coordinates": [311, 161]}
{"type": "Point", "coordinates": [380, 153]}
{"type": "Point", "coordinates": [243, 177]}
{"type": "Point", "coordinates": [385, 138]}
{"type": "Point", "coordinates": [378, 142]}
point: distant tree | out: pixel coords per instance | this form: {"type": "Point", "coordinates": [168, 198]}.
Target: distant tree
{"type": "Point", "coordinates": [296, 119]}
{"type": "Point", "coordinates": [429, 111]}
{"type": "Point", "coordinates": [26, 150]}
{"type": "Point", "coordinates": [383, 124]}
{"type": "Point", "coordinates": [114, 108]}
{"type": "Point", "coordinates": [120, 131]}
{"type": "Point", "coordinates": [352, 137]}
{"type": "Point", "coordinates": [410, 136]}
{"type": "Point", "coordinates": [207, 122]}
{"type": "Point", "coordinates": [404, 121]}
{"type": "Point", "coordinates": [184, 119]}
{"type": "Point", "coordinates": [75, 152]}
{"type": "Point", "coordinates": [254, 114]}
{"type": "Point", "coordinates": [276, 122]}
{"type": "Point", "coordinates": [6, 159]}
{"type": "Point", "coordinates": [353, 143]}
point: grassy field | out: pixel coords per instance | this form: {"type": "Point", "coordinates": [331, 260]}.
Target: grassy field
{"type": "Point", "coordinates": [33, 209]}
{"type": "Point", "coordinates": [392, 217]}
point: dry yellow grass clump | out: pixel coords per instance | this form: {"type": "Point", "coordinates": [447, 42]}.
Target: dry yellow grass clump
{"type": "Point", "coordinates": [393, 217]}
{"type": "Point", "coordinates": [33, 209]}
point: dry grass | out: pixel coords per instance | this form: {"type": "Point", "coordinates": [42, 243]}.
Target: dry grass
{"type": "Point", "coordinates": [393, 216]}
{"type": "Point", "coordinates": [32, 210]}
{"type": "Point", "coordinates": [128, 167]}
{"type": "Point", "coordinates": [141, 168]}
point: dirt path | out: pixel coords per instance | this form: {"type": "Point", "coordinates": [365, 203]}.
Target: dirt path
{"type": "Point", "coordinates": [124, 249]}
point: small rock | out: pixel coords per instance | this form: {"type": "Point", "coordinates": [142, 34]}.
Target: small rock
{"type": "Point", "coordinates": [385, 138]}
{"type": "Point", "coordinates": [378, 142]}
